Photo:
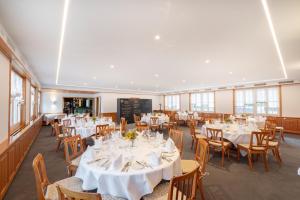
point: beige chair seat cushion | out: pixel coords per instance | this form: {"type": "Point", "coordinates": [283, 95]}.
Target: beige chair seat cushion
{"type": "Point", "coordinates": [188, 165]}
{"type": "Point", "coordinates": [279, 128]}
{"type": "Point", "coordinates": [199, 136]}
{"type": "Point", "coordinates": [247, 146]}
{"type": "Point", "coordinates": [161, 193]}
{"type": "Point", "coordinates": [76, 161]}
{"type": "Point", "coordinates": [71, 183]}
{"type": "Point", "coordinates": [198, 131]}
{"type": "Point", "coordinates": [272, 143]}
{"type": "Point", "coordinates": [217, 144]}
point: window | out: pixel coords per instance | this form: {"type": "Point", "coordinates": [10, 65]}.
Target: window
{"type": "Point", "coordinates": [261, 101]}
{"type": "Point", "coordinates": [172, 102]}
{"type": "Point", "coordinates": [32, 104]}
{"type": "Point", "coordinates": [17, 101]}
{"type": "Point", "coordinates": [204, 102]}
{"type": "Point", "coordinates": [39, 103]}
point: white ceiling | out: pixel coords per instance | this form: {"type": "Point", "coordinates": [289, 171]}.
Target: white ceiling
{"type": "Point", "coordinates": [233, 34]}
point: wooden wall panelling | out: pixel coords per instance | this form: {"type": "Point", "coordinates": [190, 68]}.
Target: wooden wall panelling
{"type": "Point", "coordinates": [13, 155]}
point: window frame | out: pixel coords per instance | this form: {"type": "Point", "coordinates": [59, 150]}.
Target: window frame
{"type": "Point", "coordinates": [256, 108]}
{"type": "Point", "coordinates": [17, 126]}
{"type": "Point", "coordinates": [33, 115]}
{"type": "Point", "coordinates": [201, 95]}
{"type": "Point", "coordinates": [166, 107]}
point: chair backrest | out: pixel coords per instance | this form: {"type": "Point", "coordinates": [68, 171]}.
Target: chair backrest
{"type": "Point", "coordinates": [177, 137]}
{"type": "Point", "coordinates": [73, 147]}
{"type": "Point", "coordinates": [69, 131]}
{"type": "Point", "coordinates": [202, 154]}
{"type": "Point", "coordinates": [66, 194]}
{"type": "Point", "coordinates": [56, 128]}
{"type": "Point", "coordinates": [193, 124]}
{"type": "Point", "coordinates": [142, 127]}
{"type": "Point", "coordinates": [262, 140]}
{"type": "Point", "coordinates": [153, 120]}
{"type": "Point", "coordinates": [67, 122]}
{"type": "Point", "coordinates": [176, 117]}
{"type": "Point", "coordinates": [40, 173]}
{"type": "Point", "coordinates": [190, 116]}
{"type": "Point", "coordinates": [136, 118]}
{"type": "Point", "coordinates": [123, 124]}
{"type": "Point", "coordinates": [102, 130]}
{"type": "Point", "coordinates": [215, 135]}
{"type": "Point", "coordinates": [183, 187]}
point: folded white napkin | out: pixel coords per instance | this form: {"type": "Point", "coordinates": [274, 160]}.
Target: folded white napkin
{"type": "Point", "coordinates": [170, 146]}
{"type": "Point", "coordinates": [116, 163]}
{"type": "Point", "coordinates": [154, 158]}
{"type": "Point", "coordinates": [159, 137]}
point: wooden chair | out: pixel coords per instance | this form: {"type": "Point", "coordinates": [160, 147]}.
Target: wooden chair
{"type": "Point", "coordinates": [274, 144]}
{"type": "Point", "coordinates": [180, 188]}
{"type": "Point", "coordinates": [74, 148]}
{"type": "Point", "coordinates": [141, 126]}
{"type": "Point", "coordinates": [216, 142]}
{"type": "Point", "coordinates": [177, 137]}
{"type": "Point", "coordinates": [59, 136]}
{"type": "Point", "coordinates": [271, 124]}
{"type": "Point", "coordinates": [136, 118]}
{"type": "Point", "coordinates": [201, 158]}
{"type": "Point", "coordinates": [190, 118]}
{"type": "Point", "coordinates": [154, 124]}
{"type": "Point", "coordinates": [46, 190]}
{"type": "Point", "coordinates": [102, 130]}
{"type": "Point", "coordinates": [65, 194]}
{"type": "Point", "coordinates": [123, 125]}
{"type": "Point", "coordinates": [66, 122]}
{"type": "Point", "coordinates": [195, 135]}
{"type": "Point", "coordinates": [260, 148]}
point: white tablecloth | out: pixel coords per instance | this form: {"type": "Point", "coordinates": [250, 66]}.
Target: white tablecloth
{"type": "Point", "coordinates": [161, 119]}
{"type": "Point", "coordinates": [133, 184]}
{"type": "Point", "coordinates": [87, 129]}
{"type": "Point", "coordinates": [236, 134]}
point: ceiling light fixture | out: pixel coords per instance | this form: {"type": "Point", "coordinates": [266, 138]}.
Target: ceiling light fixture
{"type": "Point", "coordinates": [271, 26]}
{"type": "Point", "coordinates": [157, 37]}
{"type": "Point", "coordinates": [156, 75]}
{"type": "Point", "coordinates": [112, 66]}
{"type": "Point", "coordinates": [61, 42]}
{"type": "Point", "coordinates": [207, 61]}
{"type": "Point", "coordinates": [230, 73]}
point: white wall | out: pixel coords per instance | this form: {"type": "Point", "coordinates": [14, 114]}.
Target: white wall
{"type": "Point", "coordinates": [48, 97]}
{"type": "Point", "coordinates": [109, 100]}
{"type": "Point", "coordinates": [4, 96]}
{"type": "Point", "coordinates": [290, 100]}
{"type": "Point", "coordinates": [224, 101]}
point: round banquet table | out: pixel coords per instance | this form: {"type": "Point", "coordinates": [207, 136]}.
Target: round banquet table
{"type": "Point", "coordinates": [161, 119]}
{"type": "Point", "coordinates": [138, 181]}
{"type": "Point", "coordinates": [235, 133]}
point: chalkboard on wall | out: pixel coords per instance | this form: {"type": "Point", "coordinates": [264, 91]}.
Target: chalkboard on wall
{"type": "Point", "coordinates": [128, 107]}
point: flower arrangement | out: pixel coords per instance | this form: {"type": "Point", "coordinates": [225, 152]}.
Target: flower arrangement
{"type": "Point", "coordinates": [94, 119]}
{"type": "Point", "coordinates": [131, 135]}
{"type": "Point", "coordinates": [228, 121]}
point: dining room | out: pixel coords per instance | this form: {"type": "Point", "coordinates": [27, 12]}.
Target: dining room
{"type": "Point", "coordinates": [144, 100]}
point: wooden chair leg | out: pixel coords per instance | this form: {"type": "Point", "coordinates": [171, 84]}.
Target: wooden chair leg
{"type": "Point", "coordinates": [222, 162]}
{"type": "Point", "coordinates": [278, 155]}
{"type": "Point", "coordinates": [250, 161]}
{"type": "Point", "coordinates": [201, 190]}
{"type": "Point", "coordinates": [238, 153]}
{"type": "Point", "coordinates": [58, 145]}
{"type": "Point", "coordinates": [282, 135]}
{"type": "Point", "coordinates": [192, 143]}
{"type": "Point", "coordinates": [266, 162]}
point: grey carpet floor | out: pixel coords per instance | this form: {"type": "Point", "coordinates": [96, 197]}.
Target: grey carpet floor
{"type": "Point", "coordinates": [233, 182]}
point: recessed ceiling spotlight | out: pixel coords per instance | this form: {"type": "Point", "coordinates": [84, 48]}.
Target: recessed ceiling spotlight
{"type": "Point", "coordinates": [156, 75]}
{"type": "Point", "coordinates": [207, 61]}
{"type": "Point", "coordinates": [112, 66]}
{"type": "Point", "coordinates": [131, 82]}
{"type": "Point", "coordinates": [157, 37]}
{"type": "Point", "coordinates": [230, 73]}
{"type": "Point", "coordinates": [183, 81]}
{"type": "Point", "coordinates": [94, 77]}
